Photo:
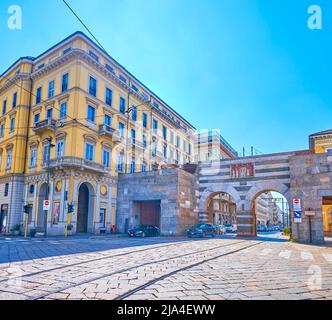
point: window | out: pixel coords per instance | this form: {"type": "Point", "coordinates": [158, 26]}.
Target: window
{"type": "Point", "coordinates": [122, 78]}
{"type": "Point", "coordinates": [154, 148]}
{"type": "Point", "coordinates": [107, 120]}
{"type": "Point", "coordinates": [184, 146]}
{"type": "Point", "coordinates": [14, 99]}
{"type": "Point", "coordinates": [46, 154]}
{"type": "Point", "coordinates": [51, 86]}
{"type": "Point", "coordinates": [144, 141]}
{"type": "Point", "coordinates": [165, 151]}
{"type": "Point", "coordinates": [109, 67]}
{"type": "Point", "coordinates": [4, 107]}
{"type": "Point", "coordinates": [93, 86]}
{"type": "Point", "coordinates": [91, 114]}
{"type": "Point", "coordinates": [12, 125]}
{"type": "Point", "coordinates": [143, 167]}
{"type": "Point", "coordinates": [133, 135]}
{"type": "Point", "coordinates": [120, 162]}
{"type": "Point", "coordinates": [145, 120]}
{"type": "Point", "coordinates": [33, 157]}
{"type": "Point", "coordinates": [122, 105]}
{"type": "Point", "coordinates": [134, 88]}
{"type": "Point", "coordinates": [6, 190]}
{"type": "Point", "coordinates": [171, 153]}
{"type": "Point", "coordinates": [106, 158]}
{"type": "Point", "coordinates": [178, 141]}
{"type": "Point", "coordinates": [2, 130]}
{"type": "Point", "coordinates": [65, 82]}
{"type": "Point", "coordinates": [189, 148]}
{"type": "Point", "coordinates": [134, 113]}
{"type": "Point", "coordinates": [155, 126]}
{"type": "Point", "coordinates": [177, 156]}
{"type": "Point", "coordinates": [132, 166]}
{"type": "Point", "coordinates": [121, 129]}
{"type": "Point", "coordinates": [9, 159]}
{"type": "Point", "coordinates": [39, 95]}
{"type": "Point", "coordinates": [89, 151]}
{"type": "Point", "coordinates": [36, 118]}
{"type": "Point", "coordinates": [66, 51]}
{"type": "Point", "coordinates": [108, 98]}
{"type": "Point", "coordinates": [63, 110]}
{"type": "Point", "coordinates": [49, 113]}
{"type": "Point", "coordinates": [93, 55]}
{"type": "Point", "coordinates": [102, 217]}
{"type": "Point", "coordinates": [164, 133]}
{"type": "Point", "coordinates": [60, 148]}
{"type": "Point", "coordinates": [172, 137]}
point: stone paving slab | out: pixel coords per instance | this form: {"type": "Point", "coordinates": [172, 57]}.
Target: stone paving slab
{"type": "Point", "coordinates": [263, 272]}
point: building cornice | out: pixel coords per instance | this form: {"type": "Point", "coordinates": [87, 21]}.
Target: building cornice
{"type": "Point", "coordinates": [13, 81]}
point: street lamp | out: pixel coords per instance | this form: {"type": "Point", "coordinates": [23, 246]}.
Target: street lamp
{"type": "Point", "coordinates": [50, 146]}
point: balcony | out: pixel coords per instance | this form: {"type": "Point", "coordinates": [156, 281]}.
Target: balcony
{"type": "Point", "coordinates": [133, 143]}
{"type": "Point", "coordinates": [45, 125]}
{"type": "Point", "coordinates": [78, 163]}
{"type": "Point", "coordinates": [106, 130]}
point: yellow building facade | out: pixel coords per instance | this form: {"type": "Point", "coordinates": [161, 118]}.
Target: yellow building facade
{"type": "Point", "coordinates": [321, 142]}
{"type": "Point", "coordinates": [80, 119]}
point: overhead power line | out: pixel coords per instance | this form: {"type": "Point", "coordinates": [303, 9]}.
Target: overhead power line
{"type": "Point", "coordinates": [83, 24]}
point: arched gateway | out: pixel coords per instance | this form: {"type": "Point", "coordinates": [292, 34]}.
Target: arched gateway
{"type": "Point", "coordinates": [244, 179]}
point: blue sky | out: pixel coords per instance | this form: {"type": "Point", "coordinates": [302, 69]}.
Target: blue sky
{"type": "Point", "coordinates": [249, 67]}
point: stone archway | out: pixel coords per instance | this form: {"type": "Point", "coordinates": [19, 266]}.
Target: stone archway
{"type": "Point", "coordinates": [212, 191]}
{"type": "Point", "coordinates": [248, 216]}
{"type": "Point", "coordinates": [85, 209]}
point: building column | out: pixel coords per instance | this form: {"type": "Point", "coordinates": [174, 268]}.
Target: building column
{"type": "Point", "coordinates": [246, 223]}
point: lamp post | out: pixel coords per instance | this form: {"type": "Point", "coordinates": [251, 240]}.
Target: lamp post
{"type": "Point", "coordinates": [50, 145]}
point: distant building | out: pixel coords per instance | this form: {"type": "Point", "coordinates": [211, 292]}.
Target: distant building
{"type": "Point", "coordinates": [321, 142]}
{"type": "Point", "coordinates": [211, 146]}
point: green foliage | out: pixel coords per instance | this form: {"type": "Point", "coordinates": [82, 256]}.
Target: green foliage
{"type": "Point", "coordinates": [287, 231]}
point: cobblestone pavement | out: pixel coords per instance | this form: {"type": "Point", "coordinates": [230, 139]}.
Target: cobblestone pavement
{"type": "Point", "coordinates": [161, 268]}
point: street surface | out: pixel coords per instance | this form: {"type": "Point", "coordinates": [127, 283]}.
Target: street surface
{"type": "Point", "coordinates": [267, 267]}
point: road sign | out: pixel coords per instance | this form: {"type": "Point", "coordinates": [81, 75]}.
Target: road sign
{"type": "Point", "coordinates": [297, 214]}
{"type": "Point", "coordinates": [297, 217]}
{"type": "Point", "coordinates": [46, 205]}
{"type": "Point", "coordinates": [297, 206]}
{"type": "Point", "coordinates": [310, 213]}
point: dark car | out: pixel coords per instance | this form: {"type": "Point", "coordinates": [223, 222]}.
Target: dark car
{"type": "Point", "coordinates": [144, 231]}
{"type": "Point", "coordinates": [201, 230]}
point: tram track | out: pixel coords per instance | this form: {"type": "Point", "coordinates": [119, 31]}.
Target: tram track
{"type": "Point", "coordinates": [79, 263]}
{"type": "Point", "coordinates": [163, 277]}
{"type": "Point", "coordinates": [141, 287]}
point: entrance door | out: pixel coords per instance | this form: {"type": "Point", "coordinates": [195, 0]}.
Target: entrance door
{"type": "Point", "coordinates": [150, 213]}
{"type": "Point", "coordinates": [3, 218]}
{"type": "Point", "coordinates": [83, 209]}
{"type": "Point", "coordinates": [41, 212]}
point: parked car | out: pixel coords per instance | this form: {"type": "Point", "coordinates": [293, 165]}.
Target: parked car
{"type": "Point", "coordinates": [230, 228]}
{"type": "Point", "coordinates": [220, 228]}
{"type": "Point", "coordinates": [262, 228]}
{"type": "Point", "coordinates": [201, 230]}
{"type": "Point", "coordinates": [144, 231]}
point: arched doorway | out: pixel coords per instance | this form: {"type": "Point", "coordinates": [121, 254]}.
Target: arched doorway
{"type": "Point", "coordinates": [41, 212]}
{"type": "Point", "coordinates": [271, 213]}
{"type": "Point", "coordinates": [85, 208]}
{"type": "Point", "coordinates": [221, 210]}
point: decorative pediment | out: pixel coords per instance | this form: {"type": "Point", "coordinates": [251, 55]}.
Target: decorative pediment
{"type": "Point", "coordinates": [90, 138]}
{"type": "Point", "coordinates": [61, 135]}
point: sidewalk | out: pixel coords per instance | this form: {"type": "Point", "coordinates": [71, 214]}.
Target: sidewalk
{"type": "Point", "coordinates": [72, 237]}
